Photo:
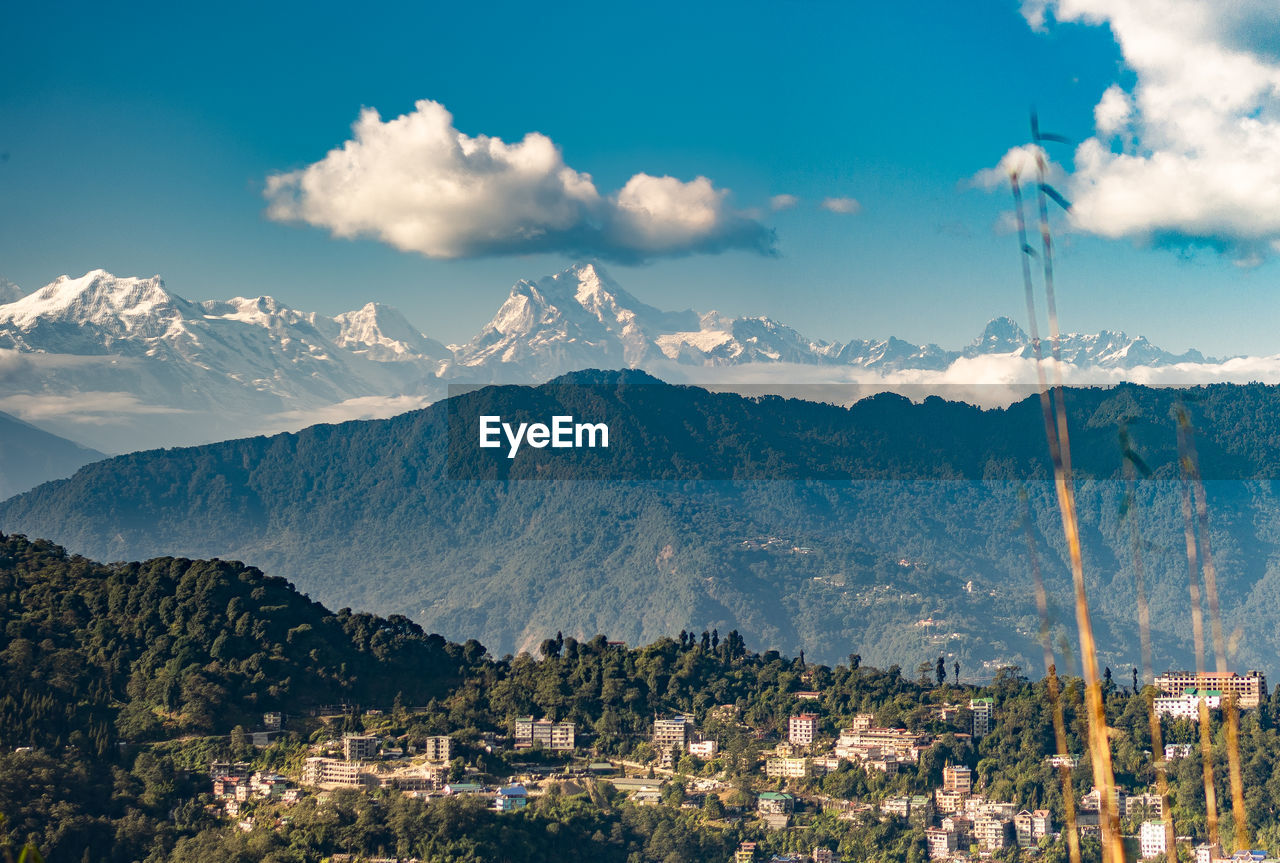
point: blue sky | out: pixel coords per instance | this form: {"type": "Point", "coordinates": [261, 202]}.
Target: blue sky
{"type": "Point", "coordinates": [141, 140]}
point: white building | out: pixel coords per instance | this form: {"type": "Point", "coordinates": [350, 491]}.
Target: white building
{"type": "Point", "coordinates": [982, 708]}
{"type": "Point", "coordinates": [990, 833]}
{"type": "Point", "coordinates": [704, 749]}
{"type": "Point", "coordinates": [803, 729]}
{"type": "Point", "coordinates": [786, 768]}
{"type": "Point", "coordinates": [1187, 705]}
{"type": "Point", "coordinates": [1151, 839]}
{"type": "Point", "coordinates": [331, 771]}
{"type": "Point", "coordinates": [941, 843]}
{"type": "Point", "coordinates": [1249, 690]}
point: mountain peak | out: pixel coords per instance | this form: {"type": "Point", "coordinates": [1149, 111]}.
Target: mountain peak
{"type": "Point", "coordinates": [1002, 335]}
{"type": "Point", "coordinates": [383, 333]}
{"type": "Point", "coordinates": [96, 297]}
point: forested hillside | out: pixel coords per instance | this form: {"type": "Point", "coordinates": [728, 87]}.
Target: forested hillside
{"type": "Point", "coordinates": [889, 528]}
{"type": "Point", "coordinates": [123, 682]}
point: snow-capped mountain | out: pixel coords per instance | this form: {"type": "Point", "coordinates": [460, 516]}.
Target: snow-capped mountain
{"type": "Point", "coordinates": [124, 363]}
{"type": "Point", "coordinates": [581, 318]}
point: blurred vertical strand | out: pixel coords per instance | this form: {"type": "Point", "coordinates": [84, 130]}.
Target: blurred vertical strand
{"type": "Point", "coordinates": [1055, 700]}
{"type": "Point", "coordinates": [1197, 629]}
{"type": "Point", "coordinates": [1230, 708]}
{"type": "Point", "coordinates": [1099, 741]}
{"type": "Point", "coordinates": [1132, 463]}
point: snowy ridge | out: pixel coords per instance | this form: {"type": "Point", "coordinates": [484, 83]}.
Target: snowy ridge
{"type": "Point", "coordinates": [123, 363]}
{"type": "Point", "coordinates": [580, 318]}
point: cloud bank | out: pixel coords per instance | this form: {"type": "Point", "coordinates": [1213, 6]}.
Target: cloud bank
{"type": "Point", "coordinates": [420, 185]}
{"type": "Point", "coordinates": [1190, 155]}
{"type": "Point", "coordinates": [841, 205]}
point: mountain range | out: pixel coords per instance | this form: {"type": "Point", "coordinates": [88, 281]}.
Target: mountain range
{"type": "Point", "coordinates": [121, 364]}
{"type": "Point", "coordinates": [893, 529]}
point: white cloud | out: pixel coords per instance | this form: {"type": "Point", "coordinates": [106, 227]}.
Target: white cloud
{"type": "Point", "coordinates": [989, 381]}
{"type": "Point", "coordinates": [1111, 115]}
{"type": "Point", "coordinates": [82, 408]}
{"type": "Point", "coordinates": [841, 205]}
{"type": "Point", "coordinates": [782, 202]}
{"type": "Point", "coordinates": [362, 408]}
{"type": "Point", "coordinates": [1019, 160]}
{"type": "Point", "coordinates": [418, 184]}
{"type": "Point", "coordinates": [1191, 155]}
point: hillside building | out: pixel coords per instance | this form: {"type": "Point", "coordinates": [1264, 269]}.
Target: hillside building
{"type": "Point", "coordinates": [981, 709]}
{"type": "Point", "coordinates": [803, 729]}
{"type": "Point", "coordinates": [1249, 690]}
{"type": "Point", "coordinates": [359, 747]}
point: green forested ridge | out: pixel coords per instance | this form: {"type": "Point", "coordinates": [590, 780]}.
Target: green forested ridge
{"type": "Point", "coordinates": [929, 528]}
{"type": "Point", "coordinates": [174, 656]}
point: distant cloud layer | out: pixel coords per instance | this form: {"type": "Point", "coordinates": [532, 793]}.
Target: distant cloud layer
{"type": "Point", "coordinates": [420, 185]}
{"type": "Point", "coordinates": [841, 205]}
{"type": "Point", "coordinates": [1190, 154]}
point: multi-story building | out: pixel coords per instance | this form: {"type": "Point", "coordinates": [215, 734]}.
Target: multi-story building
{"type": "Point", "coordinates": [219, 769]}
{"type": "Point", "coordinates": [1144, 806]}
{"type": "Point", "coordinates": [1174, 751]}
{"type": "Point", "coordinates": [558, 736]}
{"type": "Point", "coordinates": [1030, 827]}
{"type": "Point", "coordinates": [1090, 808]}
{"type": "Point", "coordinates": [437, 749]}
{"type": "Point", "coordinates": [511, 798]}
{"type": "Point", "coordinates": [900, 806]}
{"type": "Point", "coordinates": [1187, 705]}
{"type": "Point", "coordinates": [1151, 839]}
{"type": "Point", "coordinates": [359, 747]}
{"type": "Point", "coordinates": [331, 771]}
{"type": "Point", "coordinates": [803, 729]}
{"type": "Point", "coordinates": [1250, 690]}
{"type": "Point", "coordinates": [823, 855]}
{"type": "Point", "coordinates": [948, 802]}
{"type": "Point", "coordinates": [863, 721]}
{"type": "Point", "coordinates": [746, 853]}
{"type": "Point", "coordinates": [786, 768]}
{"type": "Point", "coordinates": [981, 708]}
{"type": "Point", "coordinates": [958, 778]}
{"type": "Point", "coordinates": [821, 765]}
{"type": "Point", "coordinates": [273, 720]}
{"type": "Point", "coordinates": [704, 749]}
{"type": "Point", "coordinates": [941, 843]}
{"type": "Point", "coordinates": [990, 833]}
{"type": "Point", "coordinates": [873, 743]}
{"type": "Point", "coordinates": [673, 733]}
{"type": "Point", "coordinates": [957, 823]}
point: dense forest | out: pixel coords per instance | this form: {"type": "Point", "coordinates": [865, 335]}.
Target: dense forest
{"type": "Point", "coordinates": [884, 529]}
{"type": "Point", "coordinates": [121, 683]}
